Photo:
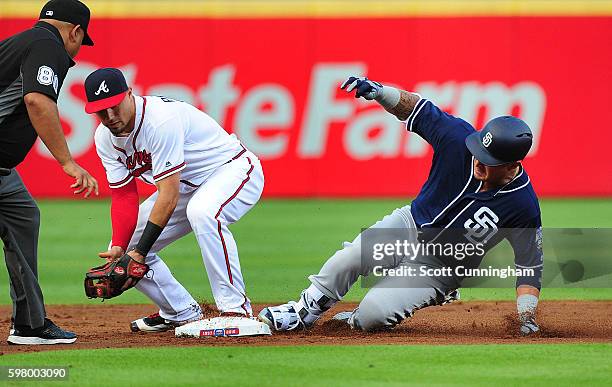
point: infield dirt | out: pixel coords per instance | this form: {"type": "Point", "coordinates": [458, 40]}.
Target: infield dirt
{"type": "Point", "coordinates": [107, 326]}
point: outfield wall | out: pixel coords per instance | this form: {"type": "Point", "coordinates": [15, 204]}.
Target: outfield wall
{"type": "Point", "coordinates": [270, 73]}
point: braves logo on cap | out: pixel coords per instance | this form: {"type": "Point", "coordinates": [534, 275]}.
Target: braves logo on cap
{"type": "Point", "coordinates": [102, 88]}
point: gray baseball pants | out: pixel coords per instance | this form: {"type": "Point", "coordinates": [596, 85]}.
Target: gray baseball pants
{"type": "Point", "coordinates": [392, 299]}
{"type": "Point", "coordinates": [19, 224]}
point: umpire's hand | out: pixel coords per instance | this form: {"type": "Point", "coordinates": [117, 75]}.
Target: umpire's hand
{"type": "Point", "coordinates": [364, 87]}
{"type": "Point", "coordinates": [84, 181]}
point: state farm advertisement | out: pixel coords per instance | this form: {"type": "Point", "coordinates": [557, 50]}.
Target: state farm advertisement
{"type": "Point", "coordinates": [275, 83]}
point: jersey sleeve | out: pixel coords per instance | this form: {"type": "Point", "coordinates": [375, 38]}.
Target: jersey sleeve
{"type": "Point", "coordinates": [436, 126]}
{"type": "Point", "coordinates": [117, 173]}
{"type": "Point", "coordinates": [527, 245]}
{"type": "Point", "coordinates": [167, 149]}
{"type": "Point", "coordinates": [44, 68]}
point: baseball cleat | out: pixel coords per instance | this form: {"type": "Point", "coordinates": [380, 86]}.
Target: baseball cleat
{"type": "Point", "coordinates": [283, 317]}
{"type": "Point", "coordinates": [47, 334]}
{"type": "Point", "coordinates": [156, 323]}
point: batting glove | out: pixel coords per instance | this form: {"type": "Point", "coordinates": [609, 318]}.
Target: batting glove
{"type": "Point", "coordinates": [364, 87]}
{"type": "Point", "coordinates": [528, 324]}
{"type": "Point", "coordinates": [526, 305]}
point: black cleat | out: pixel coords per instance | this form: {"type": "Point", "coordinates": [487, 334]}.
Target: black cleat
{"type": "Point", "coordinates": [48, 334]}
{"type": "Point", "coordinates": [156, 323]}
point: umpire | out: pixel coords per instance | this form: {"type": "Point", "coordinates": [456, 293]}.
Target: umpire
{"type": "Point", "coordinates": [33, 65]}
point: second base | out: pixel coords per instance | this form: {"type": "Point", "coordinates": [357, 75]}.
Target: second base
{"type": "Point", "coordinates": [223, 327]}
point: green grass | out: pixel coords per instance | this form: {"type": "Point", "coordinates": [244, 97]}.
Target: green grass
{"type": "Point", "coordinates": [474, 365]}
{"type": "Point", "coordinates": [281, 242]}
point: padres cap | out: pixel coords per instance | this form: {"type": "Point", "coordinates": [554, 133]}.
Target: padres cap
{"type": "Point", "coordinates": [71, 11]}
{"type": "Point", "coordinates": [104, 88]}
{"type": "Point", "coordinates": [502, 140]}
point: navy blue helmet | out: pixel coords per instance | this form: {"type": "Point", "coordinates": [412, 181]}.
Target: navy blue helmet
{"type": "Point", "coordinates": [503, 140]}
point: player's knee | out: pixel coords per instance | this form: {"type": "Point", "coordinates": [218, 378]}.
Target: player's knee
{"type": "Point", "coordinates": [202, 215]}
{"type": "Point", "coordinates": [374, 315]}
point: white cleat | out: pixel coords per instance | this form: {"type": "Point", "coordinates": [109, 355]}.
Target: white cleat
{"type": "Point", "coordinates": [288, 317]}
{"type": "Point", "coordinates": [281, 318]}
{"type": "Point", "coordinates": [293, 315]}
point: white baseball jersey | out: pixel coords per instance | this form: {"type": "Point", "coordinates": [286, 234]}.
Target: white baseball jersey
{"type": "Point", "coordinates": [175, 137]}
{"type": "Point", "coordinates": [168, 136]}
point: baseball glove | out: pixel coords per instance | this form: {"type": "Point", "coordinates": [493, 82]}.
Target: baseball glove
{"type": "Point", "coordinates": [113, 278]}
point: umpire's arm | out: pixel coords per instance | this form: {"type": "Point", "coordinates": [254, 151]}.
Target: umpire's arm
{"type": "Point", "coordinates": [44, 116]}
{"type": "Point", "coordinates": [43, 71]}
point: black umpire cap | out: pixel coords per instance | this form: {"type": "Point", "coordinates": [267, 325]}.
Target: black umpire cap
{"type": "Point", "coordinates": [71, 11]}
{"type": "Point", "coordinates": [503, 140]}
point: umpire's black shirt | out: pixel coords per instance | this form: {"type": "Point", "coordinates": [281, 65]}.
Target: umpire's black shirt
{"type": "Point", "coordinates": [34, 60]}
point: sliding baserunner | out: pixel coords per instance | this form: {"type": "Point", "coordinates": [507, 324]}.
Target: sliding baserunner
{"type": "Point", "coordinates": [477, 187]}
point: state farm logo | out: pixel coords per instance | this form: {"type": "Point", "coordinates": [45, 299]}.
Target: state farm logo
{"type": "Point", "coordinates": [274, 120]}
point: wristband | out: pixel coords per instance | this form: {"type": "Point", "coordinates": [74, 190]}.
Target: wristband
{"type": "Point", "coordinates": [149, 236]}
{"type": "Point", "coordinates": [389, 97]}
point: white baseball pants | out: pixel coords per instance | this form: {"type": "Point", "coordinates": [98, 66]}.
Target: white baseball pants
{"type": "Point", "coordinates": [229, 193]}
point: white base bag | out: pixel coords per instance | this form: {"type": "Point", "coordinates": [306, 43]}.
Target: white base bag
{"type": "Point", "coordinates": [223, 327]}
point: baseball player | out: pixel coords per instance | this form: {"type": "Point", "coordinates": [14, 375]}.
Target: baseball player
{"type": "Point", "coordinates": [205, 179]}
{"type": "Point", "coordinates": [476, 184]}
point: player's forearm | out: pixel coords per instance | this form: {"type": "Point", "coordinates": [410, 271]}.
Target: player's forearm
{"type": "Point", "coordinates": [163, 208]}
{"type": "Point", "coordinates": [526, 305]}
{"type": "Point", "coordinates": [527, 289]}
{"type": "Point", "coordinates": [527, 298]}
{"type": "Point", "coordinates": [167, 198]}
{"type": "Point", "coordinates": [45, 120]}
{"type": "Point", "coordinates": [406, 102]}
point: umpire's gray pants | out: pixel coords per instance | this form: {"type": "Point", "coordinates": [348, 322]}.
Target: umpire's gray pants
{"type": "Point", "coordinates": [392, 299]}
{"type": "Point", "coordinates": [19, 224]}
